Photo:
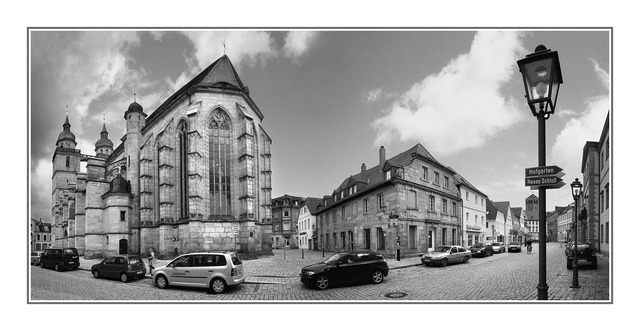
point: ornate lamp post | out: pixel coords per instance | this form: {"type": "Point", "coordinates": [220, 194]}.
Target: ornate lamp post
{"type": "Point", "coordinates": [542, 78]}
{"type": "Point", "coordinates": [576, 191]}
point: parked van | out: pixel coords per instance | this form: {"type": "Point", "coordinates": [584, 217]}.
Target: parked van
{"type": "Point", "coordinates": [60, 259]}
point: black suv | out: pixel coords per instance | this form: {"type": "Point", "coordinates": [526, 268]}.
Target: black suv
{"type": "Point", "coordinates": [481, 250]}
{"type": "Point", "coordinates": [347, 267]}
{"type": "Point", "coordinates": [60, 258]}
{"type": "Point", "coordinates": [586, 252]}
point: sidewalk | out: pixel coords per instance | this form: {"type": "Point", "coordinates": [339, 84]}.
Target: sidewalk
{"type": "Point", "coordinates": [271, 269]}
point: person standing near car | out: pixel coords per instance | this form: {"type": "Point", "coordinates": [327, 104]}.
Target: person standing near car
{"type": "Point", "coordinates": [151, 257]}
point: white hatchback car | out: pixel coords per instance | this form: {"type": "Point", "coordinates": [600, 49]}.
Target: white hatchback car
{"type": "Point", "coordinates": [213, 270]}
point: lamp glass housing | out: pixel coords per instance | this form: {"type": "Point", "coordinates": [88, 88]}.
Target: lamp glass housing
{"type": "Point", "coordinates": [576, 189]}
{"type": "Point", "coordinates": [542, 78]}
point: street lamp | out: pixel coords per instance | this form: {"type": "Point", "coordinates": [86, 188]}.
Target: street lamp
{"type": "Point", "coordinates": [542, 78]}
{"type": "Point", "coordinates": [576, 191]}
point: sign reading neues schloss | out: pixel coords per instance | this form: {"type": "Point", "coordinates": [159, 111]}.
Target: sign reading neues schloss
{"type": "Point", "coordinates": [547, 176]}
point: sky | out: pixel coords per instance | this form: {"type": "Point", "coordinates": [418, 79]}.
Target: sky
{"type": "Point", "coordinates": [332, 97]}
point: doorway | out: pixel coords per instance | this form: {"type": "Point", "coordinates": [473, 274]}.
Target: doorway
{"type": "Point", "coordinates": [367, 238]}
{"type": "Point", "coordinates": [430, 241]}
{"type": "Point", "coordinates": [123, 246]}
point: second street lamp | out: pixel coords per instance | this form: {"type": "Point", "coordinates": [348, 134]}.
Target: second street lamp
{"type": "Point", "coordinates": [542, 78]}
{"type": "Point", "coordinates": [576, 191]}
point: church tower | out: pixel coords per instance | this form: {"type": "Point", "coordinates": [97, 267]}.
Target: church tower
{"type": "Point", "coordinates": [531, 203]}
{"type": "Point", "coordinates": [66, 165]}
{"type": "Point", "coordinates": [135, 119]}
{"type": "Point", "coordinates": [104, 146]}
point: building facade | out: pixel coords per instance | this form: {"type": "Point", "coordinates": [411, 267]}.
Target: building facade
{"type": "Point", "coordinates": [40, 234]}
{"type": "Point", "coordinates": [474, 211]}
{"type": "Point", "coordinates": [194, 175]}
{"type": "Point", "coordinates": [285, 211]}
{"type": "Point", "coordinates": [505, 208]}
{"type": "Point", "coordinates": [604, 194]}
{"type": "Point", "coordinates": [307, 230]}
{"type": "Point", "coordinates": [565, 220]}
{"type": "Point", "coordinates": [408, 203]}
{"type": "Point", "coordinates": [495, 225]}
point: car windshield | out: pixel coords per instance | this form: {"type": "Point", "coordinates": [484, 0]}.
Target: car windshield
{"type": "Point", "coordinates": [332, 259]}
{"type": "Point", "coordinates": [135, 261]}
{"type": "Point", "coordinates": [478, 245]}
{"type": "Point", "coordinates": [496, 244]}
{"type": "Point", "coordinates": [443, 248]}
{"type": "Point", "coordinates": [68, 251]}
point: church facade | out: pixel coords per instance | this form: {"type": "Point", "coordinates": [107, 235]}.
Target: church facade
{"type": "Point", "coordinates": [194, 175]}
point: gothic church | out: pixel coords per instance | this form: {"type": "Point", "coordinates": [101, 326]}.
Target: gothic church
{"type": "Point", "coordinates": [195, 175]}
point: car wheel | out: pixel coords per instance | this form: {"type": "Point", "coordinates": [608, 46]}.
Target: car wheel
{"type": "Point", "coordinates": [218, 285]}
{"type": "Point", "coordinates": [96, 274]}
{"type": "Point", "coordinates": [162, 282]}
{"type": "Point", "coordinates": [465, 260]}
{"type": "Point", "coordinates": [377, 277]}
{"type": "Point", "coordinates": [41, 264]}
{"type": "Point", "coordinates": [56, 267]}
{"type": "Point", "coordinates": [124, 277]}
{"type": "Point", "coordinates": [322, 282]}
{"type": "Point", "coordinates": [443, 263]}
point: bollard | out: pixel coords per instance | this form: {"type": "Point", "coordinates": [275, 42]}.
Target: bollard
{"type": "Point", "coordinates": [284, 251]}
{"type": "Point", "coordinates": [303, 253]}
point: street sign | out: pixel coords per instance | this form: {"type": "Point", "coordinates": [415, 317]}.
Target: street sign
{"type": "Point", "coordinates": [235, 232]}
{"type": "Point", "coordinates": [552, 187]}
{"type": "Point", "coordinates": [235, 227]}
{"type": "Point", "coordinates": [543, 171]}
{"type": "Point", "coordinates": [542, 181]}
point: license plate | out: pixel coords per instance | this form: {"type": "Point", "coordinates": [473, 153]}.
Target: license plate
{"type": "Point", "coordinates": [70, 262]}
{"type": "Point", "coordinates": [139, 272]}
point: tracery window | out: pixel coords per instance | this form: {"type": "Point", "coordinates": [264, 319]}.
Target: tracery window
{"type": "Point", "coordinates": [220, 163]}
{"type": "Point", "coordinates": [183, 169]}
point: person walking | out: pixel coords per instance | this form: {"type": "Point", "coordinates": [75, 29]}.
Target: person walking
{"type": "Point", "coordinates": [151, 257]}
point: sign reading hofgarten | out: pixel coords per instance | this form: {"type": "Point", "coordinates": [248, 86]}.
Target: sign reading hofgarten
{"type": "Point", "coordinates": [547, 176]}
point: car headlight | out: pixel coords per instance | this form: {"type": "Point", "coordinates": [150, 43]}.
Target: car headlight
{"type": "Point", "coordinates": [309, 272]}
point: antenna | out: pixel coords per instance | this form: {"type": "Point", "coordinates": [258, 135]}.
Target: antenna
{"type": "Point", "coordinates": [134, 97]}
{"type": "Point", "coordinates": [67, 110]}
{"type": "Point", "coordinates": [224, 46]}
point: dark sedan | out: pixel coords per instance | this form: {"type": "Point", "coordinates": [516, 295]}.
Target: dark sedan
{"type": "Point", "coordinates": [121, 267]}
{"type": "Point", "coordinates": [481, 250]}
{"type": "Point", "coordinates": [344, 268]}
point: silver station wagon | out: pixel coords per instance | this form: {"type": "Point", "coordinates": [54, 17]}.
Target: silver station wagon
{"type": "Point", "coordinates": [215, 271]}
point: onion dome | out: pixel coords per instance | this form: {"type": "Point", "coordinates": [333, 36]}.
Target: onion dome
{"type": "Point", "coordinates": [66, 135]}
{"type": "Point", "coordinates": [134, 107]}
{"type": "Point", "coordinates": [120, 185]}
{"type": "Point", "coordinates": [104, 144]}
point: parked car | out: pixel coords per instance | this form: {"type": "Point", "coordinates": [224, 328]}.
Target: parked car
{"type": "Point", "coordinates": [35, 257]}
{"type": "Point", "coordinates": [498, 247]}
{"type": "Point", "coordinates": [444, 255]}
{"type": "Point", "coordinates": [481, 250]}
{"type": "Point", "coordinates": [344, 268]}
{"type": "Point", "coordinates": [586, 252]}
{"type": "Point", "coordinates": [60, 258]}
{"type": "Point", "coordinates": [216, 271]}
{"type": "Point", "coordinates": [123, 267]}
{"type": "Point", "coordinates": [515, 246]}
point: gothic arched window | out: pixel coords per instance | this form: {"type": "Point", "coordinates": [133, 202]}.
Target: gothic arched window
{"type": "Point", "coordinates": [183, 145]}
{"type": "Point", "coordinates": [220, 168]}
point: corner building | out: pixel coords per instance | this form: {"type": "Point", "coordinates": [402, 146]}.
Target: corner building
{"type": "Point", "coordinates": [409, 202]}
{"type": "Point", "coordinates": [195, 175]}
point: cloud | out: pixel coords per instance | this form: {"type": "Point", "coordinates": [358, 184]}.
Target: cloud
{"type": "Point", "coordinates": [464, 97]}
{"type": "Point", "coordinates": [569, 144]}
{"type": "Point", "coordinates": [243, 47]}
{"type": "Point", "coordinates": [379, 94]}
{"type": "Point", "coordinates": [95, 64]}
{"type": "Point", "coordinates": [41, 189]}
{"type": "Point", "coordinates": [296, 43]}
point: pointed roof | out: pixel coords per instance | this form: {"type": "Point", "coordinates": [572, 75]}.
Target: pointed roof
{"type": "Point", "coordinates": [516, 211]}
{"type": "Point", "coordinates": [313, 204]}
{"type": "Point", "coordinates": [459, 180]}
{"type": "Point", "coordinates": [104, 140]}
{"type": "Point", "coordinates": [532, 196]}
{"type": "Point", "coordinates": [220, 74]}
{"type": "Point", "coordinates": [493, 211]}
{"type": "Point", "coordinates": [66, 133]}
{"type": "Point", "coordinates": [503, 206]}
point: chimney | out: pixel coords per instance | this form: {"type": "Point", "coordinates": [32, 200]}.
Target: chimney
{"type": "Point", "coordinates": [363, 168]}
{"type": "Point", "coordinates": [382, 156]}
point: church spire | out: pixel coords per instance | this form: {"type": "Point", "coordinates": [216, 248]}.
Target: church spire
{"type": "Point", "coordinates": [66, 138]}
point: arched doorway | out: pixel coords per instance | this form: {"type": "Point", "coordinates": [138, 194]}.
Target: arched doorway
{"type": "Point", "coordinates": [123, 246]}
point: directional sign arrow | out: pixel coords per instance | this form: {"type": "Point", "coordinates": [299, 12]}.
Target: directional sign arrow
{"type": "Point", "coordinates": [551, 187]}
{"type": "Point", "coordinates": [543, 171]}
{"type": "Point", "coordinates": [542, 181]}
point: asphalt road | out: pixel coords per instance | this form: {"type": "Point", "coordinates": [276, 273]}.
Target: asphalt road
{"type": "Point", "coordinates": [502, 277]}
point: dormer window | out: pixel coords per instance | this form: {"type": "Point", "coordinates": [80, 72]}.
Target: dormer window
{"type": "Point", "coordinates": [387, 175]}
{"type": "Point", "coordinates": [341, 194]}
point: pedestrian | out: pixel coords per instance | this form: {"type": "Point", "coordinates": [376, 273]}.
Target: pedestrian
{"type": "Point", "coordinates": [150, 257]}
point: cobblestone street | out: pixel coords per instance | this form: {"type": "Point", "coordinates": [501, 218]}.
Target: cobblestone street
{"type": "Point", "coordinates": [502, 277]}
